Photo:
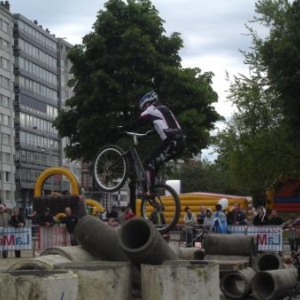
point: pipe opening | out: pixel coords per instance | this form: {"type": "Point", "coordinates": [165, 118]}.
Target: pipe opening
{"type": "Point", "coordinates": [268, 262]}
{"type": "Point", "coordinates": [234, 286]}
{"type": "Point", "coordinates": [263, 285]}
{"type": "Point", "coordinates": [133, 236]}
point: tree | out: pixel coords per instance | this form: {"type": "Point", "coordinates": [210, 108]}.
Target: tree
{"type": "Point", "coordinates": [204, 176]}
{"type": "Point", "coordinates": [278, 55]}
{"type": "Point", "coordinates": [125, 56]}
{"type": "Point", "coordinates": [260, 142]}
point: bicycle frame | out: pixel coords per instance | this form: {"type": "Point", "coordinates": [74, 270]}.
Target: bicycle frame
{"type": "Point", "coordinates": [135, 160]}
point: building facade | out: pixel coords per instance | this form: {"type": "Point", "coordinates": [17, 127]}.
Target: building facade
{"type": "Point", "coordinates": [7, 116]}
{"type": "Point", "coordinates": [34, 71]}
{"type": "Point", "coordinates": [36, 90]}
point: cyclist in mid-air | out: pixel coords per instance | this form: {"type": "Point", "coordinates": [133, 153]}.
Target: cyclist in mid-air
{"type": "Point", "coordinates": [168, 129]}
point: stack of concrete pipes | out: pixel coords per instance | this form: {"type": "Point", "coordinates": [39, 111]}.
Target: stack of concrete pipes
{"type": "Point", "coordinates": [112, 264]}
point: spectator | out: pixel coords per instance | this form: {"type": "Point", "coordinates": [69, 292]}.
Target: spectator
{"type": "Point", "coordinates": [220, 220]}
{"type": "Point", "coordinates": [128, 214]}
{"type": "Point", "coordinates": [34, 222]}
{"type": "Point", "coordinates": [190, 220]}
{"type": "Point", "coordinates": [157, 217]}
{"type": "Point", "coordinates": [113, 213]}
{"type": "Point", "coordinates": [46, 218]}
{"type": "Point", "coordinates": [288, 226]}
{"type": "Point", "coordinates": [201, 215]}
{"type": "Point", "coordinates": [208, 222]}
{"type": "Point", "coordinates": [4, 220]}
{"type": "Point", "coordinates": [17, 220]}
{"type": "Point", "coordinates": [274, 219]}
{"type": "Point", "coordinates": [237, 216]}
{"type": "Point", "coordinates": [261, 217]}
{"type": "Point", "coordinates": [98, 214]}
{"type": "Point", "coordinates": [251, 213]}
{"type": "Point", "coordinates": [70, 220]}
{"type": "Point", "coordinates": [113, 223]}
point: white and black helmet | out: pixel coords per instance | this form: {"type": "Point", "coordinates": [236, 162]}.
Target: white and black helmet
{"type": "Point", "coordinates": [150, 97]}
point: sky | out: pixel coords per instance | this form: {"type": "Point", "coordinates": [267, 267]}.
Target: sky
{"type": "Point", "coordinates": [213, 32]}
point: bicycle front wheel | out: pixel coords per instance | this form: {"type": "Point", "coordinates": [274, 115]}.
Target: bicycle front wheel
{"type": "Point", "coordinates": [110, 168]}
{"type": "Point", "coordinates": [167, 199]}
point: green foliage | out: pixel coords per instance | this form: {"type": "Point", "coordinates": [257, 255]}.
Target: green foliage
{"type": "Point", "coordinates": [126, 55]}
{"type": "Point", "coordinates": [261, 140]}
{"type": "Point", "coordinates": [204, 176]}
{"type": "Point", "coordinates": [279, 55]}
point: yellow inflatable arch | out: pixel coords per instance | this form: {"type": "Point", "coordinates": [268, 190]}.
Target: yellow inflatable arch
{"type": "Point", "coordinates": [94, 203]}
{"type": "Point", "coordinates": [56, 171]}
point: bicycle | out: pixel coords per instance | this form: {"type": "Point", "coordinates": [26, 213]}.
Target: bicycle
{"type": "Point", "coordinates": [111, 170]}
{"type": "Point", "coordinates": [290, 292]}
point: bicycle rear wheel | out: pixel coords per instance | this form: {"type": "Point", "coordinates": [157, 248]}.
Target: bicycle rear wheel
{"type": "Point", "coordinates": [167, 198]}
{"type": "Point", "coordinates": [110, 168]}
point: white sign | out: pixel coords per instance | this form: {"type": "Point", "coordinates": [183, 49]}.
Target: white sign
{"type": "Point", "coordinates": [12, 238]}
{"type": "Point", "coordinates": [269, 238]}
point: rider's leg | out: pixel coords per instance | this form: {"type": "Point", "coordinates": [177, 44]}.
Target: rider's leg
{"type": "Point", "coordinates": [167, 150]}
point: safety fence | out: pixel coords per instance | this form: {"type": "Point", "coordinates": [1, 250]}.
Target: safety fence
{"type": "Point", "coordinates": [36, 238]}
{"type": "Point", "coordinates": [269, 238]}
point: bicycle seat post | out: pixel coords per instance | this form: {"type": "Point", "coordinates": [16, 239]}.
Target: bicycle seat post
{"type": "Point", "coordinates": [135, 140]}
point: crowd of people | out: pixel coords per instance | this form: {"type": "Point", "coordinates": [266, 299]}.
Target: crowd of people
{"type": "Point", "coordinates": [219, 220]}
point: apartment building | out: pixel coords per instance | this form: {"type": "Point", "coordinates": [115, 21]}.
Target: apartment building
{"type": "Point", "coordinates": [34, 71]}
{"type": "Point", "coordinates": [7, 116]}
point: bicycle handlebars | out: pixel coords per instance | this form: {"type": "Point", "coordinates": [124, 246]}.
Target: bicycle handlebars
{"type": "Point", "coordinates": [136, 134]}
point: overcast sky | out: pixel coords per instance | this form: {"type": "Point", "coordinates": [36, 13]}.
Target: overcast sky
{"type": "Point", "coordinates": [212, 31]}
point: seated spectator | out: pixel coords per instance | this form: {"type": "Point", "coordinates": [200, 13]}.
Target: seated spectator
{"type": "Point", "coordinates": [190, 221]}
{"type": "Point", "coordinates": [128, 214]}
{"type": "Point", "coordinates": [46, 218]}
{"type": "Point", "coordinates": [201, 215]}
{"type": "Point", "coordinates": [274, 219]}
{"type": "Point", "coordinates": [208, 222]}
{"type": "Point", "coordinates": [261, 217]}
{"type": "Point", "coordinates": [220, 220]}
{"type": "Point", "coordinates": [157, 217]}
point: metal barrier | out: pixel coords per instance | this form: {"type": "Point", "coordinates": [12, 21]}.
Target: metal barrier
{"type": "Point", "coordinates": [35, 238]}
{"type": "Point", "coordinates": [12, 238]}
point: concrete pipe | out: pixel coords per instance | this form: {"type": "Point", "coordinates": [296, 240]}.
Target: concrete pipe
{"type": "Point", "coordinates": [268, 261]}
{"type": "Point", "coordinates": [7, 287]}
{"type": "Point", "coordinates": [143, 243]}
{"type": "Point", "coordinates": [41, 285]}
{"type": "Point", "coordinates": [73, 253]}
{"type": "Point", "coordinates": [266, 283]}
{"type": "Point", "coordinates": [187, 253]}
{"type": "Point", "coordinates": [99, 239]}
{"type": "Point", "coordinates": [184, 280]}
{"type": "Point", "coordinates": [229, 244]}
{"type": "Point", "coordinates": [237, 285]}
{"type": "Point", "coordinates": [45, 263]}
{"type": "Point", "coordinates": [102, 280]}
